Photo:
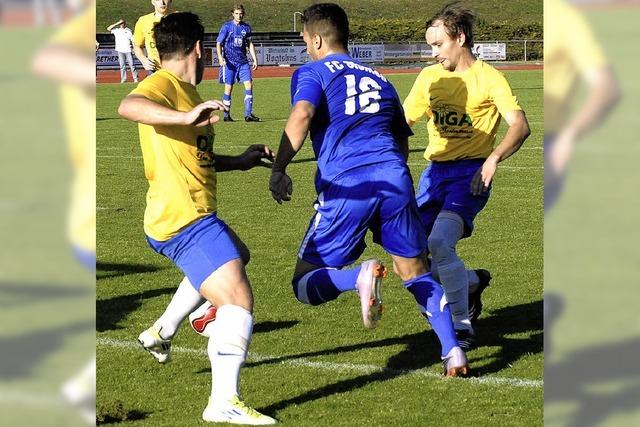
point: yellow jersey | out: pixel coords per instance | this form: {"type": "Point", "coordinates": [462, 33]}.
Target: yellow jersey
{"type": "Point", "coordinates": [178, 160]}
{"type": "Point", "coordinates": [143, 35]}
{"type": "Point", "coordinates": [570, 50]}
{"type": "Point", "coordinates": [79, 115]}
{"type": "Point", "coordinates": [463, 109]}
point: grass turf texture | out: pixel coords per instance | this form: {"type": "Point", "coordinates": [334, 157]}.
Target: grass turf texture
{"type": "Point", "coordinates": [318, 366]}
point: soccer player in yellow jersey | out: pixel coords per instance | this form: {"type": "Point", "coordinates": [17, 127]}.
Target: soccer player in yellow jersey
{"type": "Point", "coordinates": [143, 35]}
{"type": "Point", "coordinates": [180, 219]}
{"type": "Point", "coordinates": [571, 55]}
{"type": "Point", "coordinates": [68, 58]}
{"type": "Point", "coordinates": [463, 99]}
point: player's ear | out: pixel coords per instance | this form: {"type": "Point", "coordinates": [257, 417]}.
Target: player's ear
{"type": "Point", "coordinates": [317, 41]}
{"type": "Point", "coordinates": [461, 39]}
{"type": "Point", "coordinates": [199, 49]}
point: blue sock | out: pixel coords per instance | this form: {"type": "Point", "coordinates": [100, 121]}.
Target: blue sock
{"type": "Point", "coordinates": [248, 102]}
{"type": "Point", "coordinates": [430, 297]}
{"type": "Point", "coordinates": [324, 284]}
{"type": "Point", "coordinates": [226, 100]}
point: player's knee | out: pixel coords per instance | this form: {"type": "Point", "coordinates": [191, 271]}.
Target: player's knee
{"type": "Point", "coordinates": [440, 247]}
{"type": "Point", "coordinates": [300, 289]}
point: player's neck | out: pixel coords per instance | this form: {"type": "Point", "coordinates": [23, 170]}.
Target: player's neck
{"type": "Point", "coordinates": [334, 51]}
{"type": "Point", "coordinates": [182, 69]}
{"type": "Point", "coordinates": [466, 61]}
{"type": "Point", "coordinates": [160, 14]}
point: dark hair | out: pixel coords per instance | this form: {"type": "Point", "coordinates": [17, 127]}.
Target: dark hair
{"type": "Point", "coordinates": [457, 19]}
{"type": "Point", "coordinates": [237, 6]}
{"type": "Point", "coordinates": [177, 34]}
{"type": "Point", "coordinates": [329, 21]}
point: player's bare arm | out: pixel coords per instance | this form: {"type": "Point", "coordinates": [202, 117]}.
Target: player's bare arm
{"type": "Point", "coordinates": [139, 109]}
{"type": "Point", "coordinates": [148, 64]}
{"type": "Point", "coordinates": [64, 64]}
{"type": "Point", "coordinates": [252, 51]}
{"type": "Point", "coordinates": [604, 93]}
{"type": "Point", "coordinates": [254, 155]}
{"type": "Point", "coordinates": [220, 56]}
{"type": "Point", "coordinates": [292, 139]}
{"type": "Point", "coordinates": [514, 138]}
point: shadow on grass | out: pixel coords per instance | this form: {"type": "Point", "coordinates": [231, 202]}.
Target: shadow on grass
{"type": "Point", "coordinates": [106, 270]}
{"type": "Point", "coordinates": [18, 294]}
{"type": "Point", "coordinates": [269, 326]}
{"type": "Point", "coordinates": [600, 381]}
{"type": "Point", "coordinates": [23, 354]}
{"type": "Point", "coordinates": [109, 312]}
{"type": "Point", "coordinates": [423, 349]}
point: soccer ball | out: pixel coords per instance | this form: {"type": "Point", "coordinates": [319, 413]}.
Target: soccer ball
{"type": "Point", "coordinates": [202, 317]}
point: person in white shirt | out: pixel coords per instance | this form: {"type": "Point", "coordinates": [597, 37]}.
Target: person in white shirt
{"type": "Point", "coordinates": [123, 37]}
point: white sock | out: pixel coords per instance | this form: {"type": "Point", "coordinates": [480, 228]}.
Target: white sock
{"type": "Point", "coordinates": [474, 280]}
{"type": "Point", "coordinates": [184, 301]}
{"type": "Point", "coordinates": [227, 350]}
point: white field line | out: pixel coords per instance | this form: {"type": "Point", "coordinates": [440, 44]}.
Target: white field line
{"type": "Point", "coordinates": [8, 396]}
{"type": "Point", "coordinates": [101, 156]}
{"type": "Point", "coordinates": [336, 367]}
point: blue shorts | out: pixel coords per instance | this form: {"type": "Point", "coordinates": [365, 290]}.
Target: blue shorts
{"type": "Point", "coordinates": [447, 186]}
{"type": "Point", "coordinates": [379, 198]}
{"type": "Point", "coordinates": [86, 258]}
{"type": "Point", "coordinates": [199, 249]}
{"type": "Point", "coordinates": [231, 73]}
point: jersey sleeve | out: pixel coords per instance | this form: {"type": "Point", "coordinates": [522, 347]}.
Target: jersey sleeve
{"type": "Point", "coordinates": [222, 34]}
{"type": "Point", "coordinates": [585, 51]}
{"type": "Point", "coordinates": [77, 34]}
{"type": "Point", "coordinates": [306, 86]}
{"type": "Point", "coordinates": [501, 95]}
{"type": "Point", "coordinates": [249, 33]}
{"type": "Point", "coordinates": [138, 33]}
{"type": "Point", "coordinates": [416, 104]}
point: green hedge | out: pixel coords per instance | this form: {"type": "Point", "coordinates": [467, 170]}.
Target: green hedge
{"type": "Point", "coordinates": [393, 30]}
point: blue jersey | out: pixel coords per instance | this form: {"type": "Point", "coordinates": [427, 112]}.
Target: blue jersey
{"type": "Point", "coordinates": [357, 119]}
{"type": "Point", "coordinates": [235, 41]}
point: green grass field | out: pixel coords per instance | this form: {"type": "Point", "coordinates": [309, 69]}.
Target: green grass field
{"type": "Point", "coordinates": [318, 366]}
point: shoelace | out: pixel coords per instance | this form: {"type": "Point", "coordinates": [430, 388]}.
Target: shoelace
{"type": "Point", "coordinates": [250, 411]}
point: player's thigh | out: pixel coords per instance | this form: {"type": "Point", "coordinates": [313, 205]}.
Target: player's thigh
{"type": "Point", "coordinates": [244, 75]}
{"type": "Point", "coordinates": [228, 284]}
{"type": "Point", "coordinates": [200, 248]}
{"type": "Point", "coordinates": [245, 254]}
{"type": "Point", "coordinates": [399, 228]}
{"type": "Point", "coordinates": [430, 197]}
{"type": "Point", "coordinates": [336, 232]}
{"type": "Point", "coordinates": [228, 74]}
{"type": "Point", "coordinates": [461, 201]}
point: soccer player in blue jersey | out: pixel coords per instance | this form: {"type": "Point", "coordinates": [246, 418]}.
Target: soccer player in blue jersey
{"type": "Point", "coordinates": [232, 43]}
{"type": "Point", "coordinates": [360, 139]}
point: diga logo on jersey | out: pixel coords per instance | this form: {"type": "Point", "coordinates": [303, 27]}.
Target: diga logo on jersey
{"type": "Point", "coordinates": [445, 115]}
{"type": "Point", "coordinates": [204, 153]}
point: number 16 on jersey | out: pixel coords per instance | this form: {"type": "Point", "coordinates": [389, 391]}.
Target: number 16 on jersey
{"type": "Point", "coordinates": [367, 98]}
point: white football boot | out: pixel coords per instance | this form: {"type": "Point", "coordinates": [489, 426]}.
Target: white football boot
{"type": "Point", "coordinates": [158, 347]}
{"type": "Point", "coordinates": [369, 287]}
{"type": "Point", "coordinates": [235, 411]}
